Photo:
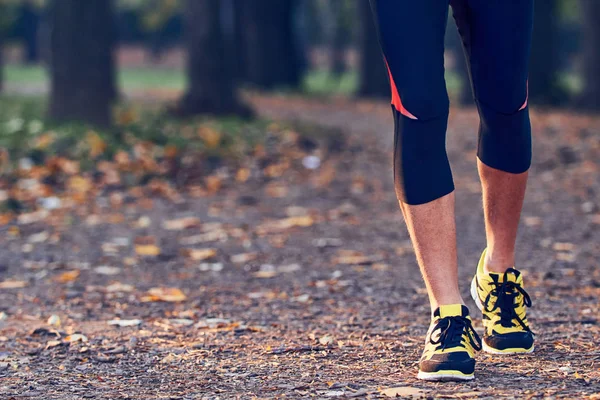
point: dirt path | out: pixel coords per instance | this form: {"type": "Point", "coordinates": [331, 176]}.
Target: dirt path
{"type": "Point", "coordinates": [312, 289]}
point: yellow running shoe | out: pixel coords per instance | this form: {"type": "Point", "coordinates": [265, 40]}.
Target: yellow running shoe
{"type": "Point", "coordinates": [502, 300]}
{"type": "Point", "coordinates": [450, 346]}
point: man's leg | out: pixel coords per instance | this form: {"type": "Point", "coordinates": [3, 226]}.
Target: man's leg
{"type": "Point", "coordinates": [503, 195]}
{"type": "Point", "coordinates": [497, 38]}
{"type": "Point", "coordinates": [432, 230]}
{"type": "Point", "coordinates": [412, 37]}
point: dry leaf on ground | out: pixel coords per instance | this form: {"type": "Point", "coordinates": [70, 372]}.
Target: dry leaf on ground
{"type": "Point", "coordinates": [9, 284]}
{"type": "Point", "coordinates": [164, 294]}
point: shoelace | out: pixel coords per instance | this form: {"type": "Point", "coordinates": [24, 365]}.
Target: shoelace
{"type": "Point", "coordinates": [506, 293]}
{"type": "Point", "coordinates": [451, 333]}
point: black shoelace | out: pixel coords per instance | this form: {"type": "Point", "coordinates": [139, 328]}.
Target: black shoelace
{"type": "Point", "coordinates": [451, 333]}
{"type": "Point", "coordinates": [506, 294]}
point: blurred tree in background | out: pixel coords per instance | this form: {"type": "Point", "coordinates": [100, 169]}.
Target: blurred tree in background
{"type": "Point", "coordinates": [82, 64]}
{"type": "Point", "coordinates": [373, 80]}
{"type": "Point", "coordinates": [544, 87]}
{"type": "Point", "coordinates": [342, 16]}
{"type": "Point", "coordinates": [590, 97]}
{"type": "Point", "coordinates": [211, 89]}
{"type": "Point", "coordinates": [8, 15]}
{"type": "Point", "coordinates": [267, 43]}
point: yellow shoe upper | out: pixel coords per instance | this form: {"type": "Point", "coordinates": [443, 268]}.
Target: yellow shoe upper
{"type": "Point", "coordinates": [451, 342]}
{"type": "Point", "coordinates": [503, 302]}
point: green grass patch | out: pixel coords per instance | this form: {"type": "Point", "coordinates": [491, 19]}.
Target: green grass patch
{"type": "Point", "coordinates": [323, 83]}
{"type": "Point", "coordinates": [128, 78]}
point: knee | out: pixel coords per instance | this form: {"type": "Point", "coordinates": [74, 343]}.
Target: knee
{"type": "Point", "coordinates": [421, 168]}
{"type": "Point", "coordinates": [426, 102]}
{"type": "Point", "coordinates": [505, 138]}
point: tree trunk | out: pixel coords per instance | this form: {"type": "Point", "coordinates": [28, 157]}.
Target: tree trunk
{"type": "Point", "coordinates": [211, 88]}
{"type": "Point", "coordinates": [82, 63]}
{"type": "Point", "coordinates": [544, 86]}
{"type": "Point", "coordinates": [339, 40]}
{"type": "Point", "coordinates": [590, 98]}
{"type": "Point", "coordinates": [373, 78]}
{"type": "Point", "coordinates": [29, 24]}
{"type": "Point", "coordinates": [1, 60]}
{"type": "Point", "coordinates": [268, 43]}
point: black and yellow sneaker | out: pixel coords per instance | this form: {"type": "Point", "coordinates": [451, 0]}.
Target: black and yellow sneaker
{"type": "Point", "coordinates": [502, 300]}
{"type": "Point", "coordinates": [450, 346]}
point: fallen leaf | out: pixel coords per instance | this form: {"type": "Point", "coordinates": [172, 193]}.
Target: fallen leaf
{"type": "Point", "coordinates": [326, 340]}
{"type": "Point", "coordinates": [242, 175]}
{"type": "Point", "coordinates": [164, 294]}
{"type": "Point", "coordinates": [143, 222]}
{"type": "Point", "coordinates": [286, 223]}
{"type": "Point", "coordinates": [53, 343]}
{"type": "Point", "coordinates": [561, 246]}
{"type": "Point", "coordinates": [181, 224]}
{"type": "Point", "coordinates": [149, 250]}
{"type": "Point", "coordinates": [9, 284]}
{"type": "Point", "coordinates": [119, 287]}
{"type": "Point", "coordinates": [215, 267]}
{"type": "Point", "coordinates": [38, 237]}
{"type": "Point", "coordinates": [54, 320]}
{"type": "Point", "coordinates": [351, 257]}
{"type": "Point", "coordinates": [568, 257]}
{"type": "Point", "coordinates": [210, 136]}
{"type": "Point", "coordinates": [76, 338]}
{"type": "Point", "coordinates": [107, 270]}
{"type": "Point", "coordinates": [266, 271]}
{"type": "Point", "coordinates": [303, 298]}
{"type": "Point", "coordinates": [213, 183]}
{"type": "Point", "coordinates": [29, 218]}
{"type": "Point", "coordinates": [243, 258]}
{"type": "Point", "coordinates": [96, 144]}
{"type": "Point", "coordinates": [125, 322]}
{"type": "Point", "coordinates": [276, 190]}
{"type": "Point", "coordinates": [79, 184]}
{"type": "Point", "coordinates": [181, 321]}
{"type": "Point", "coordinates": [68, 276]}
{"type": "Point", "coordinates": [200, 254]}
{"type": "Point", "coordinates": [533, 221]}
{"type": "Point", "coordinates": [325, 176]}
{"type": "Point", "coordinates": [401, 391]}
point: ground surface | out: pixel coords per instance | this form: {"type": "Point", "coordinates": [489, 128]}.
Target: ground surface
{"type": "Point", "coordinates": [312, 289]}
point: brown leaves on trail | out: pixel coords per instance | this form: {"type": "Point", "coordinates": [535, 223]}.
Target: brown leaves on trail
{"type": "Point", "coordinates": [96, 145]}
{"type": "Point", "coordinates": [199, 254]}
{"type": "Point", "coordinates": [210, 136]}
{"type": "Point", "coordinates": [67, 277]}
{"type": "Point", "coordinates": [10, 284]}
{"type": "Point", "coordinates": [403, 392]}
{"type": "Point", "coordinates": [353, 257]}
{"type": "Point", "coordinates": [118, 287]}
{"type": "Point", "coordinates": [243, 258]}
{"type": "Point", "coordinates": [284, 224]}
{"type": "Point", "coordinates": [147, 250]}
{"type": "Point", "coordinates": [181, 224]}
{"type": "Point", "coordinates": [145, 246]}
{"type": "Point", "coordinates": [125, 322]}
{"type": "Point", "coordinates": [164, 294]}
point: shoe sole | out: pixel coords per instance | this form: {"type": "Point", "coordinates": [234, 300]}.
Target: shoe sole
{"type": "Point", "coordinates": [445, 376]}
{"type": "Point", "coordinates": [487, 348]}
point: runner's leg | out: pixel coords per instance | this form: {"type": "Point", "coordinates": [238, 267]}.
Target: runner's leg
{"type": "Point", "coordinates": [497, 39]}
{"type": "Point", "coordinates": [412, 38]}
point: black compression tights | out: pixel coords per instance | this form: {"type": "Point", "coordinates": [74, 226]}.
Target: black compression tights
{"type": "Point", "coordinates": [496, 35]}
